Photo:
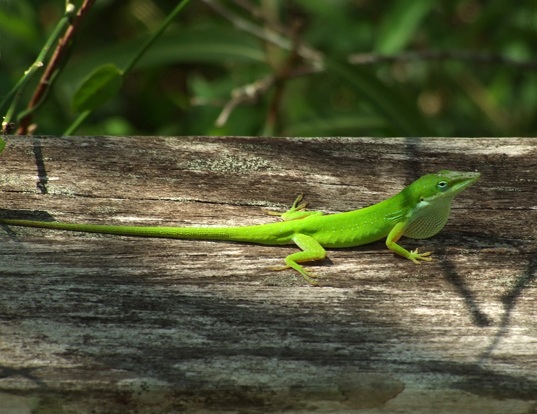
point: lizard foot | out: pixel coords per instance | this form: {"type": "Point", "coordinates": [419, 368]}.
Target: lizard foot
{"type": "Point", "coordinates": [308, 276]}
{"type": "Point", "coordinates": [415, 256]}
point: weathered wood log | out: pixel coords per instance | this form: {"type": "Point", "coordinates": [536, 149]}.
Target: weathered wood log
{"type": "Point", "coordinates": [94, 323]}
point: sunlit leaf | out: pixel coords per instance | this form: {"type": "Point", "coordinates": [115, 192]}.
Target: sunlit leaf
{"type": "Point", "coordinates": [101, 86]}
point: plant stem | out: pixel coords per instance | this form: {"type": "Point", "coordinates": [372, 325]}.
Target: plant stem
{"type": "Point", "coordinates": [155, 36]}
{"type": "Point", "coordinates": [54, 63]}
{"type": "Point", "coordinates": [16, 92]}
{"type": "Point", "coordinates": [82, 117]}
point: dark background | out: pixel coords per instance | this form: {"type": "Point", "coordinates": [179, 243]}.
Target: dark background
{"type": "Point", "coordinates": [452, 68]}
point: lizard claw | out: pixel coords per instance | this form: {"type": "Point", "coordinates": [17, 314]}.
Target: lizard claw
{"type": "Point", "coordinates": [415, 256]}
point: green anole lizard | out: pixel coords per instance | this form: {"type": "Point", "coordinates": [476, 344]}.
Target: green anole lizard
{"type": "Point", "coordinates": [419, 211]}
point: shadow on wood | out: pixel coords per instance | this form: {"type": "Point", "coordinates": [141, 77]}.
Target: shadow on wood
{"type": "Point", "coordinates": [97, 323]}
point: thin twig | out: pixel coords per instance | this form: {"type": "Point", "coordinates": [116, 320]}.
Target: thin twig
{"type": "Point", "coordinates": [270, 36]}
{"type": "Point", "coordinates": [252, 91]}
{"type": "Point", "coordinates": [282, 76]}
{"type": "Point", "coordinates": [428, 55]}
{"type": "Point", "coordinates": [53, 65]}
{"type": "Point", "coordinates": [247, 93]}
{"type": "Point", "coordinates": [274, 34]}
{"type": "Point", "coordinates": [14, 95]}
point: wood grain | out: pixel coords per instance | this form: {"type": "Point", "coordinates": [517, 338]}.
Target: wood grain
{"type": "Point", "coordinates": [94, 323]}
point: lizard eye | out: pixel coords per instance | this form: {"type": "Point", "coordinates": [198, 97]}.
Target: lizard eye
{"type": "Point", "coordinates": [442, 185]}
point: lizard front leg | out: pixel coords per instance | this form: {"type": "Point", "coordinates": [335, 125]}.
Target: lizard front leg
{"type": "Point", "coordinates": [391, 242]}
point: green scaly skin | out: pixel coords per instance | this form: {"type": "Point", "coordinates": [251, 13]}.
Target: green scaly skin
{"type": "Point", "coordinates": [419, 211]}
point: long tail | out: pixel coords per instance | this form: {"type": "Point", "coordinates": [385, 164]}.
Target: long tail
{"type": "Point", "coordinates": [250, 234]}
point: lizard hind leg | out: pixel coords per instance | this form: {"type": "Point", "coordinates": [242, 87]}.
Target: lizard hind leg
{"type": "Point", "coordinates": [296, 211]}
{"type": "Point", "coordinates": [311, 250]}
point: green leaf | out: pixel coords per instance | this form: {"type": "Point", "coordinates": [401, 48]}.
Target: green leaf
{"type": "Point", "coordinates": [101, 86]}
{"type": "Point", "coordinates": [400, 24]}
{"type": "Point", "coordinates": [2, 145]}
{"type": "Point", "coordinates": [216, 44]}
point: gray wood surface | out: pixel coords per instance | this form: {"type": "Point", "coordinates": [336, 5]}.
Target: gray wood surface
{"type": "Point", "coordinates": [104, 324]}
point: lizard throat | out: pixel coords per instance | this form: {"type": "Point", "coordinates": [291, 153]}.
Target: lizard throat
{"type": "Point", "coordinates": [429, 220]}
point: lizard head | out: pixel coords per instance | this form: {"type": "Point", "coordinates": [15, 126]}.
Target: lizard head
{"type": "Point", "coordinates": [431, 197]}
{"type": "Point", "coordinates": [444, 185]}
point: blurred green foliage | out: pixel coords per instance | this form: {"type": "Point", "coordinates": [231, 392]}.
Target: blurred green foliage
{"type": "Point", "coordinates": [281, 67]}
